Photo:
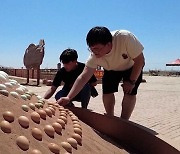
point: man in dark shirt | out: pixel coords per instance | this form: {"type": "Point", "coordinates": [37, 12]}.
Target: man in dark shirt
{"type": "Point", "coordinates": [68, 74]}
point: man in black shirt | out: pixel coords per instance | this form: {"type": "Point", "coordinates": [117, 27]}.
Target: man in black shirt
{"type": "Point", "coordinates": [68, 74]}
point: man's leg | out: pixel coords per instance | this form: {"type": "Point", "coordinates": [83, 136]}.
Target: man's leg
{"type": "Point", "coordinates": [109, 102]}
{"type": "Point", "coordinates": [84, 96]}
{"type": "Point", "coordinates": [128, 104]}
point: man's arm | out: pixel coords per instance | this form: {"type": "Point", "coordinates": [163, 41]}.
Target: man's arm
{"type": "Point", "coordinates": [139, 62]}
{"type": "Point", "coordinates": [82, 79]}
{"type": "Point", "coordinates": [50, 92]}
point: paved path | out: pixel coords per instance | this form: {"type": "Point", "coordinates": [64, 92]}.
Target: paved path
{"type": "Point", "coordinates": [158, 105]}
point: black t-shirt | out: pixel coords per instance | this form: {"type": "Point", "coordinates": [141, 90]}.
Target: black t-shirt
{"type": "Point", "coordinates": [69, 77]}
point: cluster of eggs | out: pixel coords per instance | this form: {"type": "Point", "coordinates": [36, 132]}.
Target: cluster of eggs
{"type": "Point", "coordinates": [38, 111]}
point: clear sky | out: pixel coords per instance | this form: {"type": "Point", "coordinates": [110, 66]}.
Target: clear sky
{"type": "Point", "coordinates": [65, 23]}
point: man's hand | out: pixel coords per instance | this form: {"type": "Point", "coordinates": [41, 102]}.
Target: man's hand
{"type": "Point", "coordinates": [127, 87]}
{"type": "Point", "coordinates": [63, 101]}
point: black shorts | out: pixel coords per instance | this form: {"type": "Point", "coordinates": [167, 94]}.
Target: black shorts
{"type": "Point", "coordinates": [111, 80]}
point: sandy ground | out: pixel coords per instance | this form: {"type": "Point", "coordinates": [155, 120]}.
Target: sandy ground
{"type": "Point", "coordinates": [157, 107]}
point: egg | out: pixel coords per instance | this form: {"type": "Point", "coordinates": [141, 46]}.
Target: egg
{"type": "Point", "coordinates": [49, 130]}
{"type": "Point", "coordinates": [35, 117]}
{"type": "Point", "coordinates": [42, 114]}
{"type": "Point", "coordinates": [24, 97]}
{"type": "Point", "coordinates": [77, 126]}
{"type": "Point", "coordinates": [61, 122]}
{"type": "Point", "coordinates": [78, 131]}
{"type": "Point", "coordinates": [57, 127]}
{"type": "Point", "coordinates": [28, 96]}
{"type": "Point", "coordinates": [19, 91]}
{"type": "Point", "coordinates": [22, 142]}
{"type": "Point", "coordinates": [76, 122]}
{"type": "Point", "coordinates": [77, 137]}
{"type": "Point", "coordinates": [4, 92]}
{"type": "Point", "coordinates": [54, 148]}
{"type": "Point", "coordinates": [8, 116]}
{"type": "Point", "coordinates": [71, 113]}
{"type": "Point", "coordinates": [37, 134]}
{"type": "Point", "coordinates": [39, 97]}
{"type": "Point", "coordinates": [32, 106]}
{"type": "Point", "coordinates": [8, 84]}
{"type": "Point", "coordinates": [63, 114]}
{"type": "Point", "coordinates": [52, 110]}
{"type": "Point", "coordinates": [2, 78]}
{"type": "Point", "coordinates": [35, 151]}
{"type": "Point", "coordinates": [23, 121]}
{"type": "Point", "coordinates": [48, 111]}
{"type": "Point", "coordinates": [2, 87]}
{"type": "Point", "coordinates": [72, 141]}
{"type": "Point", "coordinates": [66, 146]}
{"type": "Point", "coordinates": [14, 94]}
{"type": "Point", "coordinates": [74, 118]}
{"type": "Point", "coordinates": [25, 108]}
{"type": "Point", "coordinates": [5, 126]}
{"type": "Point", "coordinates": [63, 118]}
{"type": "Point", "coordinates": [37, 105]}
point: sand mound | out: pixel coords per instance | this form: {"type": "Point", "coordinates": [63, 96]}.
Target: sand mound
{"type": "Point", "coordinates": [29, 124]}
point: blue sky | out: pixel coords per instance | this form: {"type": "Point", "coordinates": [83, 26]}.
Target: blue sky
{"type": "Point", "coordinates": [65, 23]}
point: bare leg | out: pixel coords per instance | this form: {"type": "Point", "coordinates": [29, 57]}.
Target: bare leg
{"type": "Point", "coordinates": [128, 104]}
{"type": "Point", "coordinates": [109, 102]}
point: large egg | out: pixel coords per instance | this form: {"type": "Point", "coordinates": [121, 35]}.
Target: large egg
{"type": "Point", "coordinates": [57, 127]}
{"type": "Point", "coordinates": [77, 137]}
{"type": "Point", "coordinates": [2, 87]}
{"type": "Point", "coordinates": [37, 134]}
{"type": "Point", "coordinates": [19, 91]}
{"type": "Point", "coordinates": [5, 126]}
{"type": "Point", "coordinates": [78, 131]}
{"type": "Point", "coordinates": [25, 107]}
{"type": "Point", "coordinates": [24, 97]}
{"type": "Point", "coordinates": [8, 84]}
{"type": "Point", "coordinates": [9, 116]}
{"type": "Point", "coordinates": [22, 142]}
{"type": "Point", "coordinates": [35, 117]}
{"type": "Point", "coordinates": [63, 114]}
{"type": "Point", "coordinates": [54, 148]}
{"type": "Point", "coordinates": [61, 122]}
{"type": "Point", "coordinates": [49, 130]}
{"type": "Point", "coordinates": [48, 112]}
{"type": "Point", "coordinates": [63, 118]}
{"type": "Point", "coordinates": [14, 94]}
{"type": "Point", "coordinates": [72, 141]}
{"type": "Point", "coordinates": [77, 126]}
{"type": "Point", "coordinates": [23, 121]}
{"type": "Point", "coordinates": [66, 146]}
{"type": "Point", "coordinates": [42, 114]}
{"type": "Point", "coordinates": [35, 151]}
{"type": "Point", "coordinates": [52, 110]}
{"type": "Point", "coordinates": [4, 92]}
{"type": "Point", "coordinates": [32, 106]}
{"type": "Point", "coordinates": [2, 78]}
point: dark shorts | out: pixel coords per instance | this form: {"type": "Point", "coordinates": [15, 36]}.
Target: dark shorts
{"type": "Point", "coordinates": [111, 80]}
